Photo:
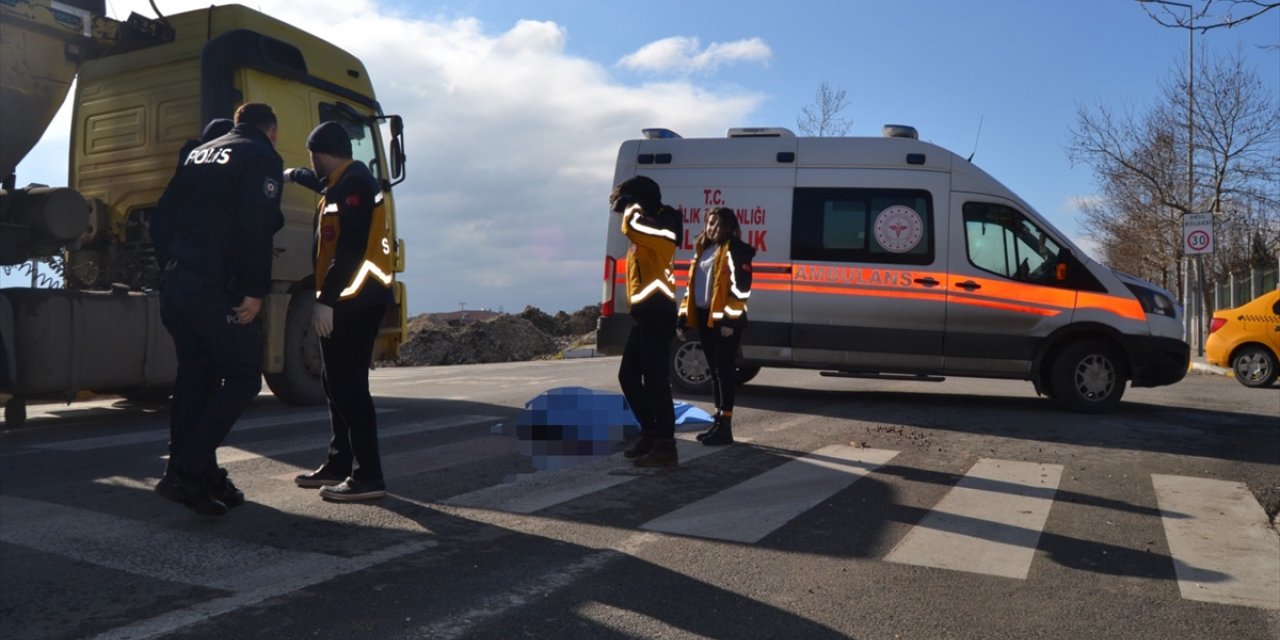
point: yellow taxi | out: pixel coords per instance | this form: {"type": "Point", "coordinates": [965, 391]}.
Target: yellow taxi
{"type": "Point", "coordinates": [1247, 339]}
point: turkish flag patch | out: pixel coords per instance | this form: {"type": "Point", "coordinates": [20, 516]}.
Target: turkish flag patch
{"type": "Point", "coordinates": [353, 200]}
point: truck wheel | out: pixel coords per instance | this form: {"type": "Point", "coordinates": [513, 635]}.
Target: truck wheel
{"type": "Point", "coordinates": [1254, 366]}
{"type": "Point", "coordinates": [299, 383]}
{"type": "Point", "coordinates": [1087, 377]}
{"type": "Point", "coordinates": [15, 412]}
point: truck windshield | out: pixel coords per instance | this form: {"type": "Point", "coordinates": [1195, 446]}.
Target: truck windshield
{"type": "Point", "coordinates": [364, 141]}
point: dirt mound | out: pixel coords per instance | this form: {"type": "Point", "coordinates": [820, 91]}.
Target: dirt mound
{"type": "Point", "coordinates": [530, 335]}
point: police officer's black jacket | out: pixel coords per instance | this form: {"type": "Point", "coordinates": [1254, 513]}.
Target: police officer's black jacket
{"type": "Point", "coordinates": [220, 211]}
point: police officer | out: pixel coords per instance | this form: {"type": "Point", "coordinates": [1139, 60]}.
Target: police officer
{"type": "Point", "coordinates": [213, 227]}
{"type": "Point", "coordinates": [653, 229]}
{"type": "Point", "coordinates": [353, 280]}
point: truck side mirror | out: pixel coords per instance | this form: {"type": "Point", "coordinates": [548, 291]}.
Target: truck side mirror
{"type": "Point", "coordinates": [397, 150]}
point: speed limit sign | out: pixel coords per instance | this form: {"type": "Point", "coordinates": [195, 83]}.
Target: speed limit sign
{"type": "Point", "coordinates": [1197, 233]}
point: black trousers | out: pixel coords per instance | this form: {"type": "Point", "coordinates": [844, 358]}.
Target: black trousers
{"type": "Point", "coordinates": [347, 352]}
{"type": "Point", "coordinates": [219, 369]}
{"type": "Point", "coordinates": [722, 356]}
{"type": "Point", "coordinates": [643, 374]}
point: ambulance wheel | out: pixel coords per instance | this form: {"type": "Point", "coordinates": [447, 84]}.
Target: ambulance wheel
{"type": "Point", "coordinates": [689, 371]}
{"type": "Point", "coordinates": [15, 412]}
{"type": "Point", "coordinates": [299, 383]}
{"type": "Point", "coordinates": [1254, 366]}
{"type": "Point", "coordinates": [1087, 377]}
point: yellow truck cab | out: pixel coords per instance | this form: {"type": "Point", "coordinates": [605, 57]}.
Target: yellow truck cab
{"type": "Point", "coordinates": [895, 258]}
{"type": "Point", "coordinates": [133, 111]}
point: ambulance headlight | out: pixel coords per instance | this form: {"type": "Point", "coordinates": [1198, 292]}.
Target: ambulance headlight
{"type": "Point", "coordinates": [1154, 302]}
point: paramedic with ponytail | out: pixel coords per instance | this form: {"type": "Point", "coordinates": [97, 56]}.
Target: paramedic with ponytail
{"type": "Point", "coordinates": [353, 280]}
{"type": "Point", "coordinates": [715, 304]}
{"type": "Point", "coordinates": [652, 228]}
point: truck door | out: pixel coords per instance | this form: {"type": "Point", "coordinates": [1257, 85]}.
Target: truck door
{"type": "Point", "coordinates": [868, 288]}
{"type": "Point", "coordinates": [1006, 293]}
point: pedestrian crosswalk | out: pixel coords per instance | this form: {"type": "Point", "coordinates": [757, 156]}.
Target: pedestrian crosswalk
{"type": "Point", "coordinates": [988, 522]}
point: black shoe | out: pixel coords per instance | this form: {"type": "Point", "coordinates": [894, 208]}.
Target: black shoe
{"type": "Point", "coordinates": [642, 446]}
{"type": "Point", "coordinates": [352, 489]}
{"type": "Point", "coordinates": [721, 434]}
{"type": "Point", "coordinates": [321, 477]}
{"type": "Point", "coordinates": [190, 494]}
{"type": "Point", "coordinates": [663, 455]}
{"type": "Point", "coordinates": [227, 492]}
{"type": "Point", "coordinates": [710, 430]}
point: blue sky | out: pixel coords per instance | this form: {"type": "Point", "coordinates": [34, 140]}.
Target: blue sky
{"type": "Point", "coordinates": [514, 110]}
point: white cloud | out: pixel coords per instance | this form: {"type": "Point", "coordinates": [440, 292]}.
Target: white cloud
{"type": "Point", "coordinates": [511, 145]}
{"type": "Point", "coordinates": [682, 55]}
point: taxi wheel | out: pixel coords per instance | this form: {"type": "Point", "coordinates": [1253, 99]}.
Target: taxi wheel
{"type": "Point", "coordinates": [1254, 366]}
{"type": "Point", "coordinates": [689, 371]}
{"type": "Point", "coordinates": [299, 383]}
{"type": "Point", "coordinates": [1087, 377]}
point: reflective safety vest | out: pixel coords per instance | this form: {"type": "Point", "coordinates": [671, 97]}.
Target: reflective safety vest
{"type": "Point", "coordinates": [375, 266]}
{"type": "Point", "coordinates": [730, 286]}
{"type": "Point", "coordinates": [653, 246]}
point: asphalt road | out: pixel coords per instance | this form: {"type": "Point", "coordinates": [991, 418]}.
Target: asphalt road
{"type": "Point", "coordinates": [850, 508]}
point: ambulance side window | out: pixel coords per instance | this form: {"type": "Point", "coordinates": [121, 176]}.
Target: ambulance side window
{"type": "Point", "coordinates": [1001, 240]}
{"type": "Point", "coordinates": [886, 226]}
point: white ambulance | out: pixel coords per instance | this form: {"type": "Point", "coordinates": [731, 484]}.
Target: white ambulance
{"type": "Point", "coordinates": [895, 258]}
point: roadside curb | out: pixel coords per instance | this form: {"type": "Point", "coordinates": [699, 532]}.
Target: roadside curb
{"type": "Point", "coordinates": [1208, 369]}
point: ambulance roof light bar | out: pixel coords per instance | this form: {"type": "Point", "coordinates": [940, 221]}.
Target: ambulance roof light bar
{"type": "Point", "coordinates": [658, 133]}
{"type": "Point", "coordinates": [759, 132]}
{"type": "Point", "coordinates": [900, 131]}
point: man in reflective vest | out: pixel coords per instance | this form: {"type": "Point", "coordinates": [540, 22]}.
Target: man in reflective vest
{"type": "Point", "coordinates": [353, 280]}
{"type": "Point", "coordinates": [653, 229]}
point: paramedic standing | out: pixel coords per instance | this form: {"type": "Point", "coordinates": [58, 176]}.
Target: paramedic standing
{"type": "Point", "coordinates": [213, 228]}
{"type": "Point", "coordinates": [653, 229]}
{"type": "Point", "coordinates": [715, 304]}
{"type": "Point", "coordinates": [353, 276]}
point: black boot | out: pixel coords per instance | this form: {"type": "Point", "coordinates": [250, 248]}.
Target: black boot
{"type": "Point", "coordinates": [642, 446]}
{"type": "Point", "coordinates": [721, 434]}
{"type": "Point", "coordinates": [715, 424]}
{"type": "Point", "coordinates": [191, 493]}
{"type": "Point", "coordinates": [663, 455]}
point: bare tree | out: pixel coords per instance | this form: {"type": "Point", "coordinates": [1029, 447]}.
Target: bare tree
{"type": "Point", "coordinates": [822, 117]}
{"type": "Point", "coordinates": [1140, 166]}
{"type": "Point", "coordinates": [1211, 14]}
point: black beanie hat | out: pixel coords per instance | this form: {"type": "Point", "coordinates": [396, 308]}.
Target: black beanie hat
{"type": "Point", "coordinates": [331, 138]}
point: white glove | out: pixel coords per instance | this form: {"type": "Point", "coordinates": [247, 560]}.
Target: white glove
{"type": "Point", "coordinates": [322, 320]}
{"type": "Point", "coordinates": [726, 332]}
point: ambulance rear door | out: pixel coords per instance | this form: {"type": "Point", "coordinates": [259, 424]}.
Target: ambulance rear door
{"type": "Point", "coordinates": [753, 177]}
{"type": "Point", "coordinates": [869, 254]}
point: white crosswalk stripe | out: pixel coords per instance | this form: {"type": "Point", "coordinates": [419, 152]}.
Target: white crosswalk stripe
{"type": "Point", "coordinates": [1224, 549]}
{"type": "Point", "coordinates": [749, 511]}
{"type": "Point", "coordinates": [989, 523]}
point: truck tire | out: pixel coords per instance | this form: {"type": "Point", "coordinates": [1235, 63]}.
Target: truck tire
{"type": "Point", "coordinates": [299, 383]}
{"type": "Point", "coordinates": [690, 373]}
{"type": "Point", "coordinates": [1254, 366]}
{"type": "Point", "coordinates": [1087, 377]}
